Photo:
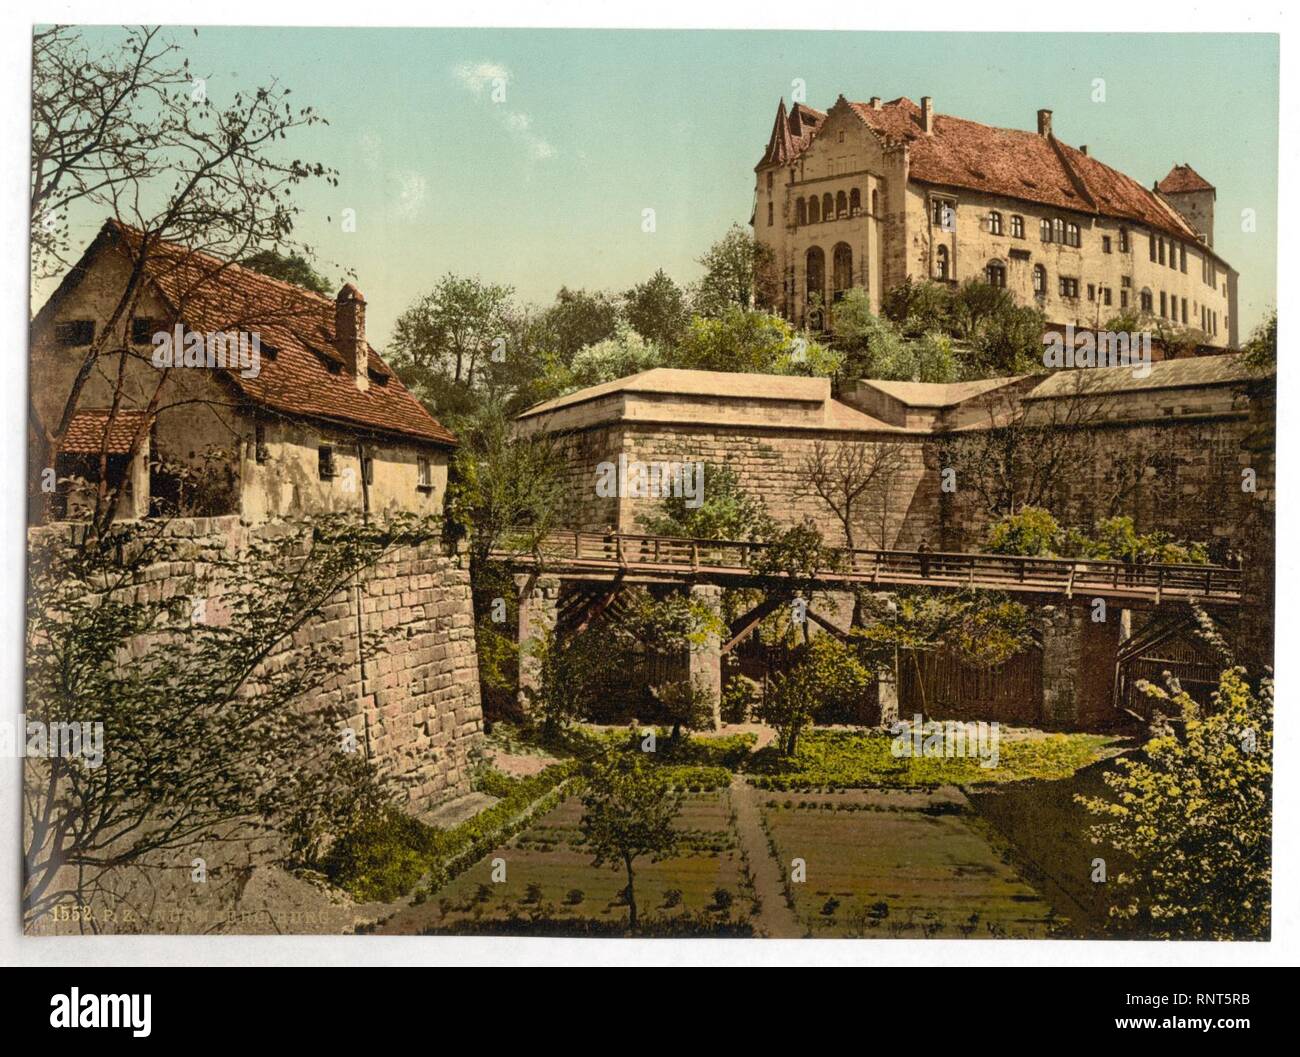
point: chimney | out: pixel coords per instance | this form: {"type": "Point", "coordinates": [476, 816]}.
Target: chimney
{"type": "Point", "coordinates": [350, 333]}
{"type": "Point", "coordinates": [875, 102]}
{"type": "Point", "coordinates": [1044, 122]}
{"type": "Point", "coordinates": [927, 114]}
{"type": "Point", "coordinates": [1084, 150]}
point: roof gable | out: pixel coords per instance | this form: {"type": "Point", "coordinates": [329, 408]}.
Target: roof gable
{"type": "Point", "coordinates": [302, 373]}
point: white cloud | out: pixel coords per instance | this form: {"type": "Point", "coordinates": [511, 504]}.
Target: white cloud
{"type": "Point", "coordinates": [490, 82]}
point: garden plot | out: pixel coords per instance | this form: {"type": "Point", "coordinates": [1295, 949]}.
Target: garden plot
{"type": "Point", "coordinates": [900, 863]}
{"type": "Point", "coordinates": [551, 885]}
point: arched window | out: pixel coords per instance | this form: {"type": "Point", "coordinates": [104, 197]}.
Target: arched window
{"type": "Point", "coordinates": [842, 274]}
{"type": "Point", "coordinates": [841, 205]}
{"type": "Point", "coordinates": [1040, 281]}
{"type": "Point", "coordinates": [1017, 226]}
{"type": "Point", "coordinates": [814, 210]}
{"type": "Point", "coordinates": [855, 201]}
{"type": "Point", "coordinates": [801, 212]}
{"type": "Point", "coordinates": [941, 264]}
{"type": "Point", "coordinates": [828, 207]}
{"type": "Point", "coordinates": [1072, 234]}
{"type": "Point", "coordinates": [995, 222]}
{"type": "Point", "coordinates": [815, 273]}
{"type": "Point", "coordinates": [995, 274]}
{"type": "Point", "coordinates": [875, 203]}
{"type": "Point", "coordinates": [1045, 230]}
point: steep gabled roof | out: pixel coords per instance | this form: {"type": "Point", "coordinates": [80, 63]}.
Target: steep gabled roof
{"type": "Point", "coordinates": [1012, 163]}
{"type": "Point", "coordinates": [302, 372]}
{"type": "Point", "coordinates": [791, 133]}
{"type": "Point", "coordinates": [1182, 178]}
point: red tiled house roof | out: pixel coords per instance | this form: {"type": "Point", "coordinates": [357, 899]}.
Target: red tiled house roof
{"type": "Point", "coordinates": [302, 372]}
{"type": "Point", "coordinates": [1182, 178]}
{"type": "Point", "coordinates": [1000, 161]}
{"type": "Point", "coordinates": [85, 435]}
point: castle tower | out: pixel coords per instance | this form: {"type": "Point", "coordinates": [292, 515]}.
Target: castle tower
{"type": "Point", "coordinates": [1193, 196]}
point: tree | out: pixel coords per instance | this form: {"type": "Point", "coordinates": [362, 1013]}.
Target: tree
{"type": "Point", "coordinates": [794, 564]}
{"type": "Point", "coordinates": [827, 674]}
{"type": "Point", "coordinates": [728, 511]}
{"type": "Point", "coordinates": [188, 184]}
{"type": "Point", "coordinates": [743, 341]}
{"type": "Point", "coordinates": [919, 307]}
{"type": "Point", "coordinates": [1260, 350]}
{"type": "Point", "coordinates": [629, 813]}
{"type": "Point", "coordinates": [291, 267]}
{"type": "Point", "coordinates": [1194, 814]}
{"type": "Point", "coordinates": [686, 704]}
{"type": "Point", "coordinates": [848, 476]}
{"type": "Point", "coordinates": [446, 341]}
{"type": "Point", "coordinates": [205, 733]}
{"type": "Point", "coordinates": [578, 319]}
{"type": "Point", "coordinates": [739, 272]}
{"type": "Point", "coordinates": [657, 309]}
{"type": "Point", "coordinates": [627, 352]}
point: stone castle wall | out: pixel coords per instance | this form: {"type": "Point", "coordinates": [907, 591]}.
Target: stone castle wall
{"type": "Point", "coordinates": [415, 706]}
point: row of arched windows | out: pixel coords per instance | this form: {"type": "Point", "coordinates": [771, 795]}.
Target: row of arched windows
{"type": "Point", "coordinates": [814, 210]}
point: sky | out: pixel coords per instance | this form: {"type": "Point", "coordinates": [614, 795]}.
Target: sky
{"type": "Point", "coordinates": [547, 187]}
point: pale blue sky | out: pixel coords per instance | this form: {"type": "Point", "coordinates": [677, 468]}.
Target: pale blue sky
{"type": "Point", "coordinates": [547, 188]}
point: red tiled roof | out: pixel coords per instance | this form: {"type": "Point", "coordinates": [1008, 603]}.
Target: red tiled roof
{"type": "Point", "coordinates": [1183, 178]}
{"type": "Point", "coordinates": [1015, 164]}
{"type": "Point", "coordinates": [791, 133]}
{"type": "Point", "coordinates": [302, 372]}
{"type": "Point", "coordinates": [85, 435]}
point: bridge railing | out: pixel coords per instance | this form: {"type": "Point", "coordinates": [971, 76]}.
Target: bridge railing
{"type": "Point", "coordinates": [1065, 575]}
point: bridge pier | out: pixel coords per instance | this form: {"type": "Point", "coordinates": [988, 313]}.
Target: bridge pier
{"type": "Point", "coordinates": [706, 657]}
{"type": "Point", "coordinates": [539, 598]}
{"type": "Point", "coordinates": [1079, 656]}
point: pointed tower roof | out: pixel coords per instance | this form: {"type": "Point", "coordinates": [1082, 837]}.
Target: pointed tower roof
{"type": "Point", "coordinates": [780, 147]}
{"type": "Point", "coordinates": [1183, 178]}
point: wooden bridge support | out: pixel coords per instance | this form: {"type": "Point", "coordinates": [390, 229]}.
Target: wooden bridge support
{"type": "Point", "coordinates": [539, 598]}
{"type": "Point", "coordinates": [706, 659]}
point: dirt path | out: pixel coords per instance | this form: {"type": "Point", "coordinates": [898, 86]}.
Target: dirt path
{"type": "Point", "coordinates": [775, 918]}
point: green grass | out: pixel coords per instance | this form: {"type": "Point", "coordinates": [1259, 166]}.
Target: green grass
{"type": "Point", "coordinates": [844, 759]}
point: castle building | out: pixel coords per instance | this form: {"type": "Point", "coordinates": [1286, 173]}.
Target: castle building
{"type": "Point", "coordinates": [871, 194]}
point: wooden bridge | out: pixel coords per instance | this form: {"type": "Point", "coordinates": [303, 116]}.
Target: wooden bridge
{"type": "Point", "coordinates": [631, 557]}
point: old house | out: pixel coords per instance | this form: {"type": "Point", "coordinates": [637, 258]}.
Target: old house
{"type": "Point", "coordinates": [222, 391]}
{"type": "Point", "coordinates": [871, 194]}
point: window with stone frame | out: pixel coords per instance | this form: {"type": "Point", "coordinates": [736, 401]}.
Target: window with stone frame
{"type": "Point", "coordinates": [995, 274]}
{"type": "Point", "coordinates": [1072, 235]}
{"type": "Point", "coordinates": [424, 473]}
{"type": "Point", "coordinates": [1017, 226]}
{"type": "Point", "coordinates": [1069, 287]}
{"type": "Point", "coordinates": [995, 222]}
{"type": "Point", "coordinates": [1105, 244]}
{"type": "Point", "coordinates": [1040, 281]}
{"type": "Point", "coordinates": [1123, 240]}
{"type": "Point", "coordinates": [1045, 230]}
{"type": "Point", "coordinates": [1146, 300]}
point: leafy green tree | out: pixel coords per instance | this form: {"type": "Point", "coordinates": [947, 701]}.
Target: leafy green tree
{"type": "Point", "coordinates": [1194, 814]}
{"type": "Point", "coordinates": [728, 511]}
{"type": "Point", "coordinates": [579, 673]}
{"type": "Point", "coordinates": [919, 307]}
{"type": "Point", "coordinates": [1030, 531]}
{"type": "Point", "coordinates": [743, 341]}
{"type": "Point", "coordinates": [1260, 350]}
{"type": "Point", "coordinates": [687, 704]}
{"type": "Point", "coordinates": [291, 268]}
{"type": "Point", "coordinates": [739, 273]}
{"type": "Point", "coordinates": [627, 352]}
{"type": "Point", "coordinates": [976, 303]}
{"type": "Point", "coordinates": [827, 674]}
{"type": "Point", "coordinates": [629, 813]}
{"type": "Point", "coordinates": [444, 344]}
{"type": "Point", "coordinates": [578, 319]}
{"type": "Point", "coordinates": [657, 309]}
{"type": "Point", "coordinates": [1009, 341]}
